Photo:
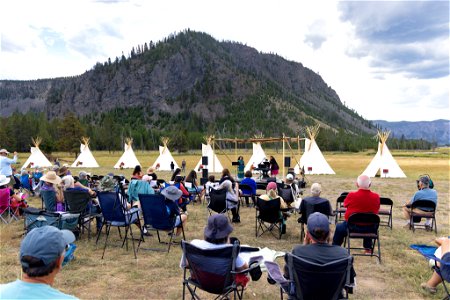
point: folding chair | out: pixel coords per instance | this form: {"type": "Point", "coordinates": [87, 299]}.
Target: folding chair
{"type": "Point", "coordinates": [49, 200]}
{"type": "Point", "coordinates": [5, 205]}
{"type": "Point", "coordinates": [268, 217]}
{"type": "Point", "coordinates": [77, 202]}
{"type": "Point", "coordinates": [34, 218]}
{"type": "Point", "coordinates": [115, 214]}
{"type": "Point", "coordinates": [211, 270]}
{"type": "Point", "coordinates": [156, 217]}
{"type": "Point", "coordinates": [217, 201]}
{"type": "Point", "coordinates": [260, 186]}
{"type": "Point", "coordinates": [386, 205]}
{"type": "Point", "coordinates": [285, 191]}
{"type": "Point", "coordinates": [310, 280]}
{"type": "Point", "coordinates": [308, 208]}
{"type": "Point", "coordinates": [364, 226]}
{"type": "Point", "coordinates": [422, 209]}
{"type": "Point", "coordinates": [340, 210]}
{"type": "Point", "coordinates": [428, 253]}
{"type": "Point", "coordinates": [246, 193]}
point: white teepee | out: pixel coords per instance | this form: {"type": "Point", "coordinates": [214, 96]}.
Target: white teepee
{"type": "Point", "coordinates": [128, 159]}
{"type": "Point", "coordinates": [383, 163]}
{"type": "Point", "coordinates": [37, 158]}
{"type": "Point", "coordinates": [258, 157]}
{"type": "Point", "coordinates": [85, 159]}
{"type": "Point", "coordinates": [165, 157]}
{"type": "Point", "coordinates": [214, 164]}
{"type": "Point", "coordinates": [312, 160]}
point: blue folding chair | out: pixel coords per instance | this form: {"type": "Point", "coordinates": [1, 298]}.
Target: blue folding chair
{"type": "Point", "coordinates": [156, 217]}
{"type": "Point", "coordinates": [115, 214]}
{"type": "Point", "coordinates": [428, 252]}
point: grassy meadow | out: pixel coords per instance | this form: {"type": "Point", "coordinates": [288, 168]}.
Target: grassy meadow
{"type": "Point", "coordinates": [156, 275]}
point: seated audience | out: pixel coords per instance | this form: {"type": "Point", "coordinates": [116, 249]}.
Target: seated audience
{"type": "Point", "coordinates": [227, 182]}
{"type": "Point", "coordinates": [217, 236]}
{"type": "Point", "coordinates": [172, 195]}
{"type": "Point", "coordinates": [137, 173]}
{"type": "Point", "coordinates": [192, 178]}
{"type": "Point", "coordinates": [151, 172]}
{"type": "Point", "coordinates": [252, 183]}
{"type": "Point", "coordinates": [363, 201]}
{"type": "Point", "coordinates": [314, 200]}
{"type": "Point", "coordinates": [51, 185]}
{"type": "Point", "coordinates": [443, 252]}
{"type": "Point", "coordinates": [210, 184]}
{"type": "Point", "coordinates": [16, 200]}
{"type": "Point", "coordinates": [271, 194]}
{"type": "Point", "coordinates": [137, 187]}
{"type": "Point", "coordinates": [424, 193]}
{"type": "Point", "coordinates": [41, 256]}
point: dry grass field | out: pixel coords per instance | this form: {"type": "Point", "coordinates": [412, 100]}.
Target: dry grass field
{"type": "Point", "coordinates": [156, 275]}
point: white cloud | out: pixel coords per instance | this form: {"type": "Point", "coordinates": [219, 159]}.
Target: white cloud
{"type": "Point", "coordinates": [377, 68]}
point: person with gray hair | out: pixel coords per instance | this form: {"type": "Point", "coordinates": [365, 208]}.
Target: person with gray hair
{"type": "Point", "coordinates": [361, 201]}
{"type": "Point", "coordinates": [310, 204]}
{"type": "Point", "coordinates": [424, 193]}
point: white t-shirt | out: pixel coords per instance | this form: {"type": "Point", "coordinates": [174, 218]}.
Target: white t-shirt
{"type": "Point", "coordinates": [202, 244]}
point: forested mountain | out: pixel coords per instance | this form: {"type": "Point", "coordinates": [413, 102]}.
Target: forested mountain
{"type": "Point", "coordinates": [186, 86]}
{"type": "Point", "coordinates": [437, 132]}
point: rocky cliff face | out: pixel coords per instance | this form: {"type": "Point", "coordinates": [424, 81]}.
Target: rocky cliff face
{"type": "Point", "coordinates": [191, 73]}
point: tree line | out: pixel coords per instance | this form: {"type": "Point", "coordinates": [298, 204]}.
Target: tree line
{"type": "Point", "coordinates": [108, 131]}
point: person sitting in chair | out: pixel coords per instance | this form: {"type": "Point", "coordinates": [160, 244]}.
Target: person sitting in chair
{"type": "Point", "coordinates": [41, 256]}
{"type": "Point", "coordinates": [227, 182]}
{"type": "Point", "coordinates": [424, 193]}
{"type": "Point", "coordinates": [315, 246]}
{"type": "Point", "coordinates": [361, 201]}
{"type": "Point", "coordinates": [216, 236]}
{"type": "Point", "coordinates": [173, 194]}
{"type": "Point", "coordinates": [443, 252]}
{"type": "Point", "coordinates": [252, 184]}
{"type": "Point", "coordinates": [272, 193]}
{"type": "Point", "coordinates": [315, 200]}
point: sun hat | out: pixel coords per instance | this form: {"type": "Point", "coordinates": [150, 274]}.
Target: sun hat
{"type": "Point", "coordinates": [51, 177]}
{"type": "Point", "coordinates": [4, 151]}
{"type": "Point", "coordinates": [4, 180]}
{"type": "Point", "coordinates": [318, 221]}
{"type": "Point", "coordinates": [271, 186]}
{"type": "Point", "coordinates": [172, 193]}
{"type": "Point", "coordinates": [46, 243]}
{"type": "Point", "coordinates": [106, 184]}
{"type": "Point", "coordinates": [218, 227]}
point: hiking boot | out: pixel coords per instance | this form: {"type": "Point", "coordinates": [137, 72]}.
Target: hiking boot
{"type": "Point", "coordinates": [429, 289]}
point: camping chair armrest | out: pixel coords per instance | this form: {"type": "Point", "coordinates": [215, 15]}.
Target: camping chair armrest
{"type": "Point", "coordinates": [254, 263]}
{"type": "Point", "coordinates": [274, 273]}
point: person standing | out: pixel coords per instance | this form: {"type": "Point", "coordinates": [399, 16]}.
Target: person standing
{"type": "Point", "coordinates": [172, 166]}
{"type": "Point", "coordinates": [240, 168]}
{"type": "Point", "coordinates": [183, 166]}
{"type": "Point", "coordinates": [274, 168]}
{"type": "Point", "coordinates": [5, 163]}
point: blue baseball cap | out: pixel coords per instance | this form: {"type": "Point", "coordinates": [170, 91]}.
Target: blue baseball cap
{"type": "Point", "coordinates": [318, 221]}
{"type": "Point", "coordinates": [45, 243]}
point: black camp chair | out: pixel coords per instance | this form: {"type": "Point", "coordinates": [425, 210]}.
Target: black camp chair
{"type": "Point", "coordinates": [77, 202]}
{"type": "Point", "coordinates": [310, 280]}
{"type": "Point", "coordinates": [217, 201]}
{"type": "Point", "coordinates": [269, 217]}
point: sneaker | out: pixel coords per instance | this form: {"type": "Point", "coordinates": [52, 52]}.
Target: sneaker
{"type": "Point", "coordinates": [429, 289]}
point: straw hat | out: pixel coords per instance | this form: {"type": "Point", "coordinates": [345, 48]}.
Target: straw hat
{"type": "Point", "coordinates": [51, 177]}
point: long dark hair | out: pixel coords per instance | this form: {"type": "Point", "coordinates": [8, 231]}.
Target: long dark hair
{"type": "Point", "coordinates": [175, 174]}
{"type": "Point", "coordinates": [192, 176]}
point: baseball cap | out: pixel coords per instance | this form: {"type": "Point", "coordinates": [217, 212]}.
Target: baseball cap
{"type": "Point", "coordinates": [289, 177]}
{"type": "Point", "coordinates": [318, 221]}
{"type": "Point", "coordinates": [45, 243]}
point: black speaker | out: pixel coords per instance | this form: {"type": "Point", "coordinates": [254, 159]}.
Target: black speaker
{"type": "Point", "coordinates": [205, 160]}
{"type": "Point", "coordinates": [287, 161]}
{"type": "Point", "coordinates": [205, 173]}
{"type": "Point", "coordinates": [203, 180]}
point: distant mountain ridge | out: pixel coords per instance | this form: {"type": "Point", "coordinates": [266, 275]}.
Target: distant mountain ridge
{"type": "Point", "coordinates": [437, 131]}
{"type": "Point", "coordinates": [190, 80]}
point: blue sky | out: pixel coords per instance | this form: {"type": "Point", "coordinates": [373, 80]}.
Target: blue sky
{"type": "Point", "coordinates": [385, 59]}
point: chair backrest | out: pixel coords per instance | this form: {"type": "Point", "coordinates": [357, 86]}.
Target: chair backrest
{"type": "Point", "coordinates": [246, 189]}
{"type": "Point", "coordinates": [211, 269]}
{"type": "Point", "coordinates": [76, 200]}
{"type": "Point", "coordinates": [49, 198]}
{"type": "Point", "coordinates": [4, 199]}
{"type": "Point", "coordinates": [322, 207]}
{"type": "Point", "coordinates": [285, 191]}
{"type": "Point", "coordinates": [340, 200]}
{"type": "Point", "coordinates": [217, 200]}
{"type": "Point", "coordinates": [154, 211]}
{"type": "Point", "coordinates": [364, 220]}
{"type": "Point", "coordinates": [386, 201]}
{"type": "Point", "coordinates": [424, 204]}
{"type": "Point", "coordinates": [34, 218]}
{"type": "Point", "coordinates": [112, 207]}
{"type": "Point", "coordinates": [269, 211]}
{"type": "Point", "coordinates": [318, 281]}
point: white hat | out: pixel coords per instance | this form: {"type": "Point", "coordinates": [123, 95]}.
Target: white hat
{"type": "Point", "coordinates": [289, 177]}
{"type": "Point", "coordinates": [4, 180]}
{"type": "Point", "coordinates": [4, 151]}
